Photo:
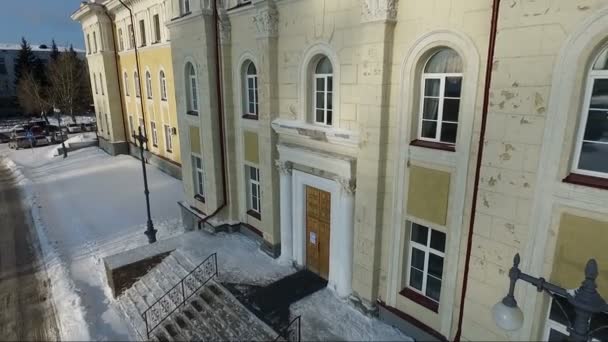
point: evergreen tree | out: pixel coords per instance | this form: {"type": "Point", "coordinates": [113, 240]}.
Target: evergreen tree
{"type": "Point", "coordinates": [54, 51]}
{"type": "Point", "coordinates": [25, 61]}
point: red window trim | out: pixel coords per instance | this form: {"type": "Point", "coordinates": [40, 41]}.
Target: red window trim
{"type": "Point", "coordinates": [420, 299]}
{"type": "Point", "coordinates": [584, 180]}
{"type": "Point", "coordinates": [434, 145]}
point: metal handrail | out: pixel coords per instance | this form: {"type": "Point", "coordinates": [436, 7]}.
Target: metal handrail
{"type": "Point", "coordinates": [292, 332]}
{"type": "Point", "coordinates": [166, 305]}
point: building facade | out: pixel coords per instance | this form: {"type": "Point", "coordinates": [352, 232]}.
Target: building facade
{"type": "Point", "coordinates": [367, 141]}
{"type": "Point", "coordinates": [129, 57]}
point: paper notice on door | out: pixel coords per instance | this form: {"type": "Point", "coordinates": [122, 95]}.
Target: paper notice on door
{"type": "Point", "coordinates": [313, 238]}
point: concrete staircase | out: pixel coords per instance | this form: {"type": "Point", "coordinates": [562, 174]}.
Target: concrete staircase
{"type": "Point", "coordinates": [211, 314]}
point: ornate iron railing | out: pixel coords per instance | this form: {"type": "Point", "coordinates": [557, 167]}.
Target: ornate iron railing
{"type": "Point", "coordinates": [292, 332]}
{"type": "Point", "coordinates": [177, 296]}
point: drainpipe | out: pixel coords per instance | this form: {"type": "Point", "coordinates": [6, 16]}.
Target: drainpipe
{"type": "Point", "coordinates": [484, 119]}
{"type": "Point", "coordinates": [218, 82]}
{"type": "Point", "coordinates": [122, 106]}
{"type": "Point", "coordinates": [141, 88]}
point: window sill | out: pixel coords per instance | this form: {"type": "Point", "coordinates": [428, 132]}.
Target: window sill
{"type": "Point", "coordinates": [164, 100]}
{"type": "Point", "coordinates": [155, 145]}
{"type": "Point", "coordinates": [254, 214]}
{"type": "Point", "coordinates": [420, 299]}
{"type": "Point", "coordinates": [433, 145]}
{"type": "Point", "coordinates": [584, 180]}
{"type": "Point", "coordinates": [249, 117]}
{"type": "Point", "coordinates": [191, 112]}
{"type": "Point", "coordinates": [199, 198]}
{"type": "Point", "coordinates": [169, 151]}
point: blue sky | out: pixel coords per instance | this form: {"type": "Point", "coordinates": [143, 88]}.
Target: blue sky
{"type": "Point", "coordinates": [39, 21]}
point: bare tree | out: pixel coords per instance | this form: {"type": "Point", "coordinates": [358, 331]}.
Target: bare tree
{"type": "Point", "coordinates": [32, 95]}
{"type": "Point", "coordinates": [69, 89]}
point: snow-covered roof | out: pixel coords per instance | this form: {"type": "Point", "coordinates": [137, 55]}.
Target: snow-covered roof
{"type": "Point", "coordinates": [35, 47]}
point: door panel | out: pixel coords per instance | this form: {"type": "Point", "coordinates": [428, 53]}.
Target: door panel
{"type": "Point", "coordinates": [318, 209]}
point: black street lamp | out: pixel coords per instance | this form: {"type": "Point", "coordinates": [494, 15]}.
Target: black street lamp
{"type": "Point", "coordinates": [150, 231]}
{"type": "Point", "coordinates": [585, 300]}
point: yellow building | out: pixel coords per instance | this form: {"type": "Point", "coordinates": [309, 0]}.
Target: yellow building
{"type": "Point", "coordinates": [129, 57]}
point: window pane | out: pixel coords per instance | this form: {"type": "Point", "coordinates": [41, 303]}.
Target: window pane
{"type": "Point", "coordinates": [431, 87]}
{"type": "Point", "coordinates": [329, 101]}
{"type": "Point", "coordinates": [555, 335]}
{"type": "Point", "coordinates": [251, 95]}
{"type": "Point", "coordinates": [320, 100]}
{"type": "Point", "coordinates": [429, 129]}
{"type": "Point", "coordinates": [452, 86]}
{"type": "Point", "coordinates": [448, 132]}
{"type": "Point", "coordinates": [249, 83]}
{"type": "Point", "coordinates": [444, 61]}
{"type": "Point", "coordinates": [597, 126]}
{"type": "Point", "coordinates": [435, 265]}
{"type": "Point", "coordinates": [450, 109]}
{"type": "Point", "coordinates": [330, 81]}
{"type": "Point", "coordinates": [320, 84]}
{"type": "Point", "coordinates": [430, 108]}
{"type": "Point", "coordinates": [437, 240]}
{"type": "Point", "coordinates": [199, 163]}
{"type": "Point", "coordinates": [251, 108]}
{"type": "Point", "coordinates": [254, 191]}
{"type": "Point", "coordinates": [324, 66]}
{"type": "Point", "coordinates": [599, 94]}
{"type": "Point", "coordinates": [252, 174]}
{"type": "Point", "coordinates": [433, 288]}
{"type": "Point", "coordinates": [416, 279]}
{"type": "Point", "coordinates": [594, 157]}
{"type": "Point", "coordinates": [419, 233]}
{"type": "Point", "coordinates": [417, 259]}
{"type": "Point", "coordinates": [329, 117]}
{"type": "Point", "coordinates": [320, 116]}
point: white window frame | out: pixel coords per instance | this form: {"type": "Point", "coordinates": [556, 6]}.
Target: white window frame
{"type": "Point", "coordinates": [126, 83]}
{"type": "Point", "coordinates": [131, 33]}
{"type": "Point", "coordinates": [168, 141]}
{"type": "Point", "coordinates": [157, 28]}
{"type": "Point", "coordinates": [325, 78]}
{"type": "Point", "coordinates": [442, 78]}
{"type": "Point", "coordinates": [249, 100]}
{"type": "Point", "coordinates": [163, 85]}
{"type": "Point", "coordinates": [559, 327]}
{"type": "Point", "coordinates": [137, 84]}
{"type": "Point", "coordinates": [427, 250]}
{"type": "Point", "coordinates": [192, 88]}
{"type": "Point", "coordinates": [142, 33]}
{"type": "Point", "coordinates": [121, 40]}
{"type": "Point", "coordinates": [154, 134]}
{"type": "Point", "coordinates": [592, 75]}
{"type": "Point", "coordinates": [148, 85]}
{"type": "Point", "coordinates": [199, 185]}
{"type": "Point", "coordinates": [184, 7]}
{"type": "Point", "coordinates": [253, 201]}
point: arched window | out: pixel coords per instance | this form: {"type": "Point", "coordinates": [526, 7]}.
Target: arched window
{"type": "Point", "coordinates": [126, 83]}
{"type": "Point", "coordinates": [191, 89]}
{"type": "Point", "coordinates": [251, 91]}
{"type": "Point", "coordinates": [148, 85]}
{"type": "Point", "coordinates": [137, 85]}
{"type": "Point", "coordinates": [163, 86]}
{"type": "Point", "coordinates": [591, 155]}
{"type": "Point", "coordinates": [441, 84]}
{"type": "Point", "coordinates": [323, 90]}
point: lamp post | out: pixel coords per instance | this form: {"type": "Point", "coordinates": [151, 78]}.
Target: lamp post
{"type": "Point", "coordinates": [150, 231]}
{"type": "Point", "coordinates": [585, 300]}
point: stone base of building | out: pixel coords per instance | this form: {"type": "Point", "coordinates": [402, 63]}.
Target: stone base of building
{"type": "Point", "coordinates": [409, 325]}
{"type": "Point", "coordinates": [191, 218]}
{"type": "Point", "coordinates": [169, 167]}
{"type": "Point", "coordinates": [113, 148]}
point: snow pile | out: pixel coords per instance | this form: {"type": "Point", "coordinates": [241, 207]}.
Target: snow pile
{"type": "Point", "coordinates": [83, 139]}
{"type": "Point", "coordinates": [70, 316]}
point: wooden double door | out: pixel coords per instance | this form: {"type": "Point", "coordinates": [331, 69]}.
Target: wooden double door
{"type": "Point", "coordinates": [318, 209]}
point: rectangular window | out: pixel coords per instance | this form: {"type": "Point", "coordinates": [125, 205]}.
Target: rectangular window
{"type": "Point", "coordinates": [184, 6]}
{"type": "Point", "coordinates": [95, 41]}
{"type": "Point", "coordinates": [253, 176]}
{"type": "Point", "coordinates": [252, 95]}
{"type": "Point", "coordinates": [142, 126]}
{"type": "Point", "coordinates": [556, 328]}
{"type": "Point", "coordinates": [142, 33]}
{"type": "Point", "coordinates": [121, 40]}
{"type": "Point", "coordinates": [107, 124]}
{"type": "Point", "coordinates": [101, 84]}
{"type": "Point", "coordinates": [131, 36]}
{"type": "Point", "coordinates": [323, 99]}
{"type": "Point", "coordinates": [88, 43]}
{"type": "Point", "coordinates": [95, 83]}
{"type": "Point", "coordinates": [131, 127]}
{"type": "Point", "coordinates": [168, 141]}
{"type": "Point", "coordinates": [439, 106]}
{"type": "Point", "coordinates": [198, 176]}
{"type": "Point", "coordinates": [424, 267]}
{"type": "Point", "coordinates": [156, 21]}
{"type": "Point", "coordinates": [154, 134]}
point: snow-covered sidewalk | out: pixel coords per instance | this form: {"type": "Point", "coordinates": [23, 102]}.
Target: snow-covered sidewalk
{"type": "Point", "coordinates": [86, 207]}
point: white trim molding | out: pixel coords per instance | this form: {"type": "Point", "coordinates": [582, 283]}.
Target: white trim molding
{"type": "Point", "coordinates": [305, 130]}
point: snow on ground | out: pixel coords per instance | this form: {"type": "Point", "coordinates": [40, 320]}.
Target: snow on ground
{"type": "Point", "coordinates": [90, 137]}
{"type": "Point", "coordinates": [88, 206]}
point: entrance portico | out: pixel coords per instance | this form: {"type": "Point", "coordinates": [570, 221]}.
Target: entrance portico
{"type": "Point", "coordinates": [300, 168]}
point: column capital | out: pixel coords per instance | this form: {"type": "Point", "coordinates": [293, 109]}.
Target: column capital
{"type": "Point", "coordinates": [284, 167]}
{"type": "Point", "coordinates": [266, 19]}
{"type": "Point", "coordinates": [348, 185]}
{"type": "Point", "coordinates": [225, 27]}
{"type": "Point", "coordinates": [378, 10]}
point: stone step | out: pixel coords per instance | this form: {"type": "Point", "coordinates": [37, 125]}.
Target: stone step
{"type": "Point", "coordinates": [207, 319]}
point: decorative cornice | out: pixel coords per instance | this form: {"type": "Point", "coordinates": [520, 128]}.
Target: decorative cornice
{"type": "Point", "coordinates": [348, 185]}
{"type": "Point", "coordinates": [266, 22]}
{"type": "Point", "coordinates": [284, 167]}
{"type": "Point", "coordinates": [378, 10]}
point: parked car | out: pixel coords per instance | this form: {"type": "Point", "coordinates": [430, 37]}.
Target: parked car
{"type": "Point", "coordinates": [39, 136]}
{"type": "Point", "coordinates": [74, 128]}
{"type": "Point", "coordinates": [4, 137]}
{"type": "Point", "coordinates": [55, 135]}
{"type": "Point", "coordinates": [19, 142]}
{"type": "Point", "coordinates": [89, 127]}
